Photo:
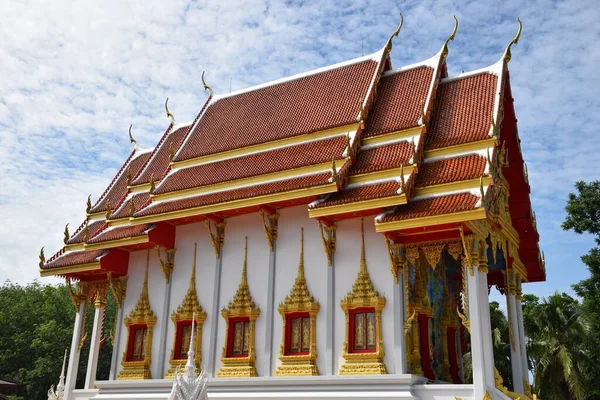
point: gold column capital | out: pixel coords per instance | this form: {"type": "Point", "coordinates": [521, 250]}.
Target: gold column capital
{"type": "Point", "coordinates": [168, 263]}
{"type": "Point", "coordinates": [328, 238]}
{"type": "Point", "coordinates": [270, 225]}
{"type": "Point", "coordinates": [218, 237]}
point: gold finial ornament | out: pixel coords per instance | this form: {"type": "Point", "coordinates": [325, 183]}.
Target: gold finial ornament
{"type": "Point", "coordinates": [108, 208]}
{"type": "Point", "coordinates": [451, 37]}
{"type": "Point", "coordinates": [88, 204]}
{"type": "Point", "coordinates": [169, 113]}
{"type": "Point", "coordinates": [507, 56]}
{"type": "Point", "coordinates": [131, 139]}
{"type": "Point", "coordinates": [131, 206]}
{"type": "Point", "coordinates": [152, 183]}
{"type": "Point", "coordinates": [66, 233]}
{"type": "Point", "coordinates": [206, 87]}
{"type": "Point", "coordinates": [333, 171]}
{"type": "Point", "coordinates": [42, 257]}
{"type": "Point", "coordinates": [388, 45]}
{"type": "Point", "coordinates": [128, 176]}
{"type": "Point", "coordinates": [302, 337]}
{"type": "Point", "coordinates": [171, 152]}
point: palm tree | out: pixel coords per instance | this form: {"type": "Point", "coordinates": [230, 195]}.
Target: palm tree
{"type": "Point", "coordinates": [560, 348]}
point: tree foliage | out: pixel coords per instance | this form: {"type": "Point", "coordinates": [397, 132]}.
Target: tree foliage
{"type": "Point", "coordinates": [36, 327]}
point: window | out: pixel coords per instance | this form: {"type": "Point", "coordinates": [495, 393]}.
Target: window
{"type": "Point", "coordinates": [363, 328]}
{"type": "Point", "coordinates": [298, 335]}
{"type": "Point", "coordinates": [138, 343]}
{"type": "Point", "coordinates": [239, 337]}
{"type": "Point", "coordinates": [182, 341]}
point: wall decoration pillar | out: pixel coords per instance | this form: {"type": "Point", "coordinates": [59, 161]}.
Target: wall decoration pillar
{"type": "Point", "coordinates": [167, 263]}
{"type": "Point", "coordinates": [270, 226]}
{"type": "Point", "coordinates": [99, 290]}
{"type": "Point", "coordinates": [328, 238]}
{"type": "Point", "coordinates": [513, 326]}
{"type": "Point", "coordinates": [118, 288]}
{"type": "Point", "coordinates": [400, 300]}
{"type": "Point", "coordinates": [79, 299]}
{"type": "Point", "coordinates": [218, 240]}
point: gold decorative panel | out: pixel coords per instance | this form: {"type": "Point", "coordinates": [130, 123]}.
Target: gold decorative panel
{"type": "Point", "coordinates": [298, 351]}
{"type": "Point", "coordinates": [362, 307]}
{"type": "Point", "coordinates": [239, 353]}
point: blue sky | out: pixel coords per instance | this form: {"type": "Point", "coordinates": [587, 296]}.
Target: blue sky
{"type": "Point", "coordinates": [76, 74]}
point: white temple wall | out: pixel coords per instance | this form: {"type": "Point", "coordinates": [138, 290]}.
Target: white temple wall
{"type": "Point", "coordinates": [185, 238]}
{"type": "Point", "coordinates": [258, 272]}
{"type": "Point", "coordinates": [315, 269]}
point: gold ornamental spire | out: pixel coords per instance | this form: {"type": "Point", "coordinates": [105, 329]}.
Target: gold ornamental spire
{"type": "Point", "coordinates": [363, 260]}
{"type": "Point", "coordinates": [507, 56]}
{"type": "Point", "coordinates": [190, 303]}
{"type": "Point", "coordinates": [451, 37]}
{"type": "Point", "coordinates": [142, 308]}
{"type": "Point", "coordinates": [131, 139]}
{"type": "Point", "coordinates": [299, 295]}
{"type": "Point", "coordinates": [242, 301]}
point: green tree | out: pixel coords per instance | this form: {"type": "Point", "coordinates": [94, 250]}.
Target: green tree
{"type": "Point", "coordinates": [37, 325]}
{"type": "Point", "coordinates": [561, 348]}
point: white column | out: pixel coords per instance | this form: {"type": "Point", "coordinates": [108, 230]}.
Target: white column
{"type": "Point", "coordinates": [329, 314]}
{"type": "Point", "coordinates": [481, 334]}
{"type": "Point", "coordinates": [115, 354]}
{"type": "Point", "coordinates": [90, 376]}
{"type": "Point", "coordinates": [515, 345]}
{"type": "Point", "coordinates": [268, 367]}
{"type": "Point", "coordinates": [400, 366]}
{"type": "Point", "coordinates": [160, 368]}
{"type": "Point", "coordinates": [521, 330]}
{"type": "Point", "coordinates": [214, 317]}
{"type": "Point", "coordinates": [74, 352]}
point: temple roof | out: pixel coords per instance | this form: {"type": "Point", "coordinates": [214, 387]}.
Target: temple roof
{"type": "Point", "coordinates": [410, 146]}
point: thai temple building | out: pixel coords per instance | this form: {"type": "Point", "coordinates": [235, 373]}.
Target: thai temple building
{"type": "Point", "coordinates": [331, 235]}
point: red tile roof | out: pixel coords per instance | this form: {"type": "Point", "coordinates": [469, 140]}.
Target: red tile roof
{"type": "Point", "coordinates": [118, 187]}
{"type": "Point", "coordinates": [74, 258]}
{"type": "Point", "coordinates": [119, 232]}
{"type": "Point", "coordinates": [451, 170]}
{"type": "Point", "coordinates": [400, 101]}
{"type": "Point", "coordinates": [361, 193]}
{"type": "Point", "coordinates": [256, 164]}
{"type": "Point", "coordinates": [463, 111]}
{"type": "Point", "coordinates": [139, 201]}
{"type": "Point", "coordinates": [236, 194]}
{"type": "Point", "coordinates": [433, 206]}
{"type": "Point", "coordinates": [158, 162]}
{"type": "Point", "coordinates": [79, 234]}
{"type": "Point", "coordinates": [383, 157]}
{"type": "Point", "coordinates": [307, 104]}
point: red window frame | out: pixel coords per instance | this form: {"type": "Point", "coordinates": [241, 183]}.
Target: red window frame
{"type": "Point", "coordinates": [131, 340]}
{"type": "Point", "coordinates": [288, 333]}
{"type": "Point", "coordinates": [351, 314]}
{"type": "Point", "coordinates": [178, 340]}
{"type": "Point", "coordinates": [230, 334]}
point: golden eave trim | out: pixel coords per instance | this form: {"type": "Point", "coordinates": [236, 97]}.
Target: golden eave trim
{"type": "Point", "coordinates": [70, 269]}
{"type": "Point", "coordinates": [119, 221]}
{"type": "Point", "coordinates": [381, 175]}
{"type": "Point", "coordinates": [241, 203]}
{"type": "Point", "coordinates": [75, 246]}
{"type": "Point", "coordinates": [118, 242]}
{"type": "Point", "coordinates": [462, 216]}
{"type": "Point", "coordinates": [461, 148]}
{"type": "Point", "coordinates": [382, 202]}
{"type": "Point", "coordinates": [97, 215]}
{"type": "Point", "coordinates": [392, 136]}
{"type": "Point", "coordinates": [250, 181]}
{"type": "Point", "coordinates": [262, 147]}
{"type": "Point", "coordinates": [141, 188]}
{"type": "Point", "coordinates": [453, 186]}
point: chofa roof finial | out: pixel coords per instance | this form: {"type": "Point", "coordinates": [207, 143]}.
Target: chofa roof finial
{"type": "Point", "coordinates": [206, 87]}
{"type": "Point", "coordinates": [131, 139]}
{"type": "Point", "coordinates": [66, 233]}
{"type": "Point", "coordinates": [169, 113]}
{"type": "Point", "coordinates": [388, 45]}
{"type": "Point", "coordinates": [507, 56]}
{"type": "Point", "coordinates": [451, 37]}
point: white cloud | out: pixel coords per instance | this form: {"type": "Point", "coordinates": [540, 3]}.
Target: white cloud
{"type": "Point", "coordinates": [76, 74]}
